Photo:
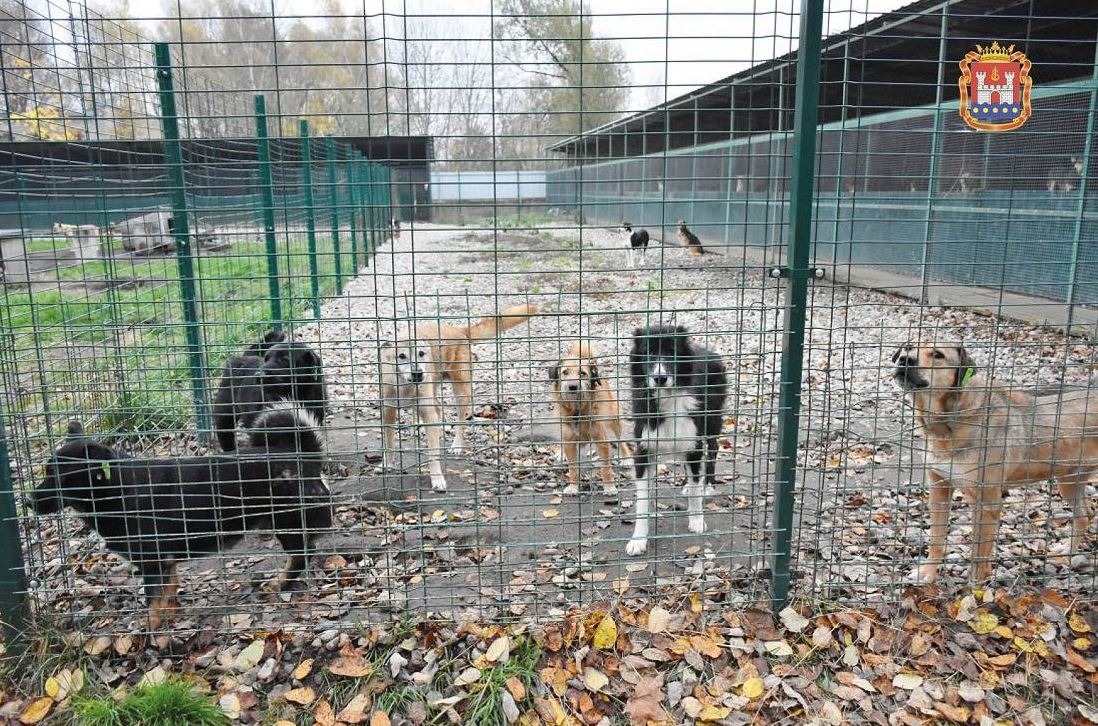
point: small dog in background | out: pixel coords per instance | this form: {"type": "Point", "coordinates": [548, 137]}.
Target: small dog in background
{"type": "Point", "coordinates": [413, 371]}
{"type": "Point", "coordinates": [156, 512]}
{"type": "Point", "coordinates": [1065, 177]}
{"type": "Point", "coordinates": [394, 228]}
{"type": "Point", "coordinates": [589, 413]}
{"type": "Point", "coordinates": [982, 438]}
{"type": "Point", "coordinates": [689, 241]}
{"type": "Point", "coordinates": [638, 244]}
{"type": "Point", "coordinates": [274, 369]}
{"type": "Point", "coordinates": [679, 391]}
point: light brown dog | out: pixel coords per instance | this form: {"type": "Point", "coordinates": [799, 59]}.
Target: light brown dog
{"type": "Point", "coordinates": [413, 371]}
{"type": "Point", "coordinates": [689, 241]}
{"type": "Point", "coordinates": [589, 413]}
{"type": "Point", "coordinates": [983, 438]}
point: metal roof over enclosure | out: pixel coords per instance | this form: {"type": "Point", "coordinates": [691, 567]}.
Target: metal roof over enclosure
{"type": "Point", "coordinates": [887, 62]}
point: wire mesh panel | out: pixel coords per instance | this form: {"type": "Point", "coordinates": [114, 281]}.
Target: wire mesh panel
{"type": "Point", "coordinates": [491, 311]}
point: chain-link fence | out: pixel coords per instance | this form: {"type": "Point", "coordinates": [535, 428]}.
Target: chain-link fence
{"type": "Point", "coordinates": [197, 231]}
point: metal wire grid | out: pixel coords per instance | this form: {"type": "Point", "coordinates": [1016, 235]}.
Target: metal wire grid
{"type": "Point", "coordinates": [504, 542]}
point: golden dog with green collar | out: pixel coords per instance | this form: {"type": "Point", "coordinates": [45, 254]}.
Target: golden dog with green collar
{"type": "Point", "coordinates": [983, 438]}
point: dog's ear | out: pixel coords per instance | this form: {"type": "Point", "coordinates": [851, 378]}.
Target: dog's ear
{"type": "Point", "coordinates": [274, 335]}
{"type": "Point", "coordinates": [554, 372]}
{"type": "Point", "coordinates": [595, 378]}
{"type": "Point", "coordinates": [900, 351]}
{"type": "Point", "coordinates": [311, 358]}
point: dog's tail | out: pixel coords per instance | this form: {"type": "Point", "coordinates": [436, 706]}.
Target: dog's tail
{"type": "Point", "coordinates": [286, 426]}
{"type": "Point", "coordinates": [492, 326]}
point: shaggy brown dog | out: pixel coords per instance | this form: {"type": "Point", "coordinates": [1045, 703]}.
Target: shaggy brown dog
{"type": "Point", "coordinates": [982, 438]}
{"type": "Point", "coordinates": [589, 413]}
{"type": "Point", "coordinates": [412, 373]}
{"type": "Point", "coordinates": [689, 241]}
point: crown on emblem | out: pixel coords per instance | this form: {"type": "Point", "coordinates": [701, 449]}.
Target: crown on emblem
{"type": "Point", "coordinates": [994, 52]}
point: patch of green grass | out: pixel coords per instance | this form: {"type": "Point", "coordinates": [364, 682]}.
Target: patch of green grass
{"type": "Point", "coordinates": [171, 703]}
{"type": "Point", "coordinates": [484, 705]}
{"type": "Point", "coordinates": [397, 698]}
{"type": "Point", "coordinates": [46, 244]}
{"type": "Point", "coordinates": [141, 374]}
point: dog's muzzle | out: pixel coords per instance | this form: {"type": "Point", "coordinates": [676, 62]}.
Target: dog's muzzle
{"type": "Point", "coordinates": [907, 374]}
{"type": "Point", "coordinates": [416, 376]}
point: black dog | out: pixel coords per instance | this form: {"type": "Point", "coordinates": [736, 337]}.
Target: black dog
{"type": "Point", "coordinates": [275, 369]}
{"type": "Point", "coordinates": [155, 512]}
{"type": "Point", "coordinates": [679, 390]}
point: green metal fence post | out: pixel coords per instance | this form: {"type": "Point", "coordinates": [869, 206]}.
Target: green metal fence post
{"type": "Point", "coordinates": [796, 298]}
{"type": "Point", "coordinates": [310, 214]}
{"type": "Point", "coordinates": [264, 151]}
{"type": "Point", "coordinates": [935, 151]}
{"type": "Point", "coordinates": [375, 232]}
{"type": "Point", "coordinates": [333, 209]}
{"type": "Point", "coordinates": [184, 254]}
{"type": "Point", "coordinates": [349, 168]}
{"type": "Point", "coordinates": [368, 241]}
{"type": "Point", "coordinates": [13, 577]}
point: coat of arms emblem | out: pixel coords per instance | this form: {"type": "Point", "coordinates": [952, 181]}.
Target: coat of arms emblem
{"type": "Point", "coordinates": [995, 88]}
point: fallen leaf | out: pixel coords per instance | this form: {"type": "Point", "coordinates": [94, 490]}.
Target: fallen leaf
{"type": "Point", "coordinates": [645, 703]}
{"type": "Point", "coordinates": [778, 648]}
{"type": "Point", "coordinates": [1077, 623]}
{"type": "Point", "coordinates": [984, 623]}
{"type": "Point", "coordinates": [956, 714]}
{"type": "Point", "coordinates": [753, 687]}
{"type": "Point", "coordinates": [691, 706]}
{"type": "Point", "coordinates": [556, 678]}
{"type": "Point", "coordinates": [658, 620]}
{"type": "Point", "coordinates": [355, 710]}
{"type": "Point", "coordinates": [970, 692]}
{"type": "Point", "coordinates": [301, 696]}
{"type": "Point", "coordinates": [499, 648]}
{"type": "Point", "coordinates": [323, 714]}
{"type": "Point", "coordinates": [793, 620]}
{"type": "Point", "coordinates": [518, 691]}
{"type": "Point", "coordinates": [821, 637]}
{"type": "Point", "coordinates": [606, 634]}
{"type": "Point", "coordinates": [714, 713]}
{"type": "Point", "coordinates": [380, 718]}
{"type": "Point", "coordinates": [467, 677]}
{"type": "Point", "coordinates": [153, 678]}
{"type": "Point", "coordinates": [907, 681]}
{"type": "Point", "coordinates": [594, 679]}
{"type": "Point", "coordinates": [350, 666]}
{"type": "Point", "coordinates": [550, 513]}
{"type": "Point", "coordinates": [230, 706]}
{"type": "Point", "coordinates": [36, 710]}
{"type": "Point", "coordinates": [304, 668]}
{"type": "Point", "coordinates": [249, 657]}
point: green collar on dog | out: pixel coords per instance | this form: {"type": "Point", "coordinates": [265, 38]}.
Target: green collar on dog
{"type": "Point", "coordinates": [969, 373]}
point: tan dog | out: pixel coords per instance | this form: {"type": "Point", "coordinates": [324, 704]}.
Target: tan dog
{"type": "Point", "coordinates": [983, 438]}
{"type": "Point", "coordinates": [589, 413]}
{"type": "Point", "coordinates": [412, 373]}
{"type": "Point", "coordinates": [689, 241]}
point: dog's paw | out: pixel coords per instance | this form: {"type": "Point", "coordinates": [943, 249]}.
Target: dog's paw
{"type": "Point", "coordinates": [458, 448]}
{"type": "Point", "coordinates": [438, 483]}
{"type": "Point", "coordinates": [696, 523]}
{"type": "Point", "coordinates": [924, 574]}
{"type": "Point", "coordinates": [636, 547]}
{"type": "Point", "coordinates": [609, 488]}
{"type": "Point", "coordinates": [570, 490]}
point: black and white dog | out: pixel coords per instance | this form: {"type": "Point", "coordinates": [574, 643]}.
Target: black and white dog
{"type": "Point", "coordinates": [272, 370]}
{"type": "Point", "coordinates": [679, 390]}
{"type": "Point", "coordinates": [638, 243]}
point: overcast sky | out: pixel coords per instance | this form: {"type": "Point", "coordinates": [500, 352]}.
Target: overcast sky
{"type": "Point", "coordinates": [690, 43]}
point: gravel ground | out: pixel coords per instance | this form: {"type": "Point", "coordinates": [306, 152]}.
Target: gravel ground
{"type": "Point", "coordinates": [505, 542]}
